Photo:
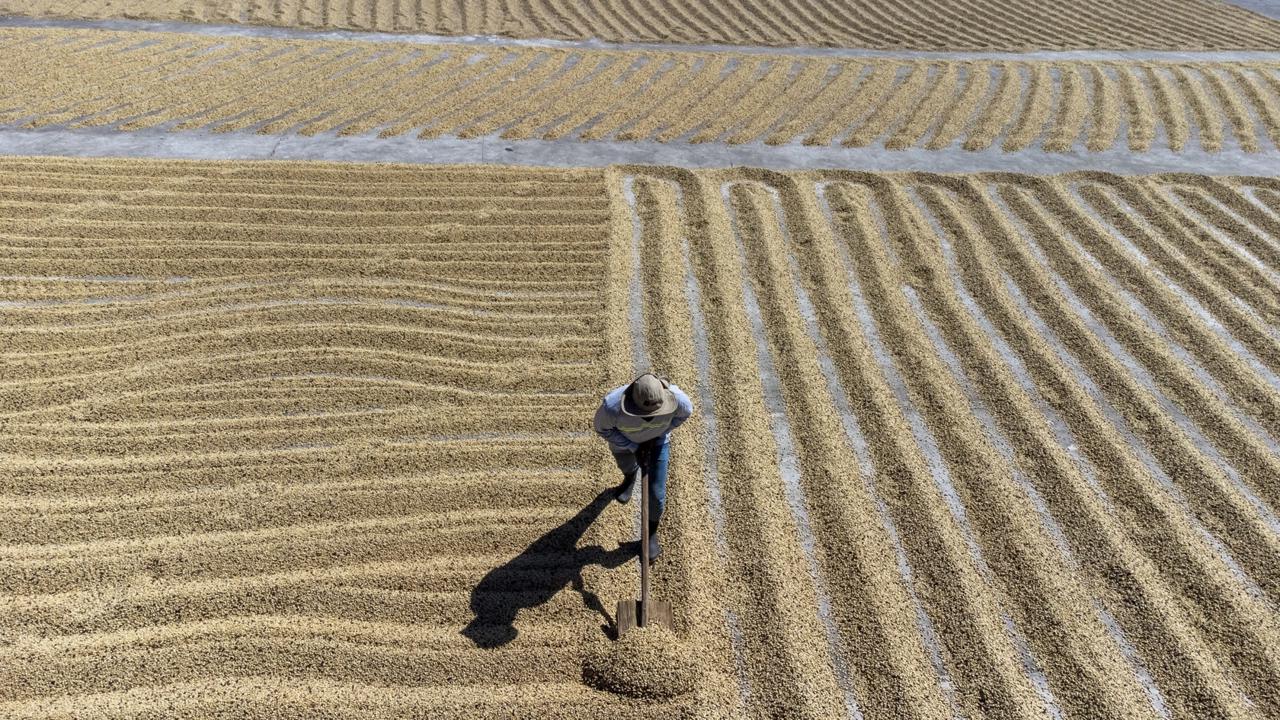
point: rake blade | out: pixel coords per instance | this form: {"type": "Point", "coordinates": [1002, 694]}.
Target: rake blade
{"type": "Point", "coordinates": [629, 615]}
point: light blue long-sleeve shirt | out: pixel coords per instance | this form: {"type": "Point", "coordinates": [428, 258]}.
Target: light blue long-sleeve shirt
{"type": "Point", "coordinates": [626, 432]}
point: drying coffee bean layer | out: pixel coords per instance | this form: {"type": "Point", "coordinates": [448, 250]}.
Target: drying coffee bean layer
{"type": "Point", "coordinates": [917, 24]}
{"type": "Point", "coordinates": [306, 440]}
{"type": "Point", "coordinates": [1028, 426]}
{"type": "Point", "coordinates": [311, 440]}
{"type": "Point", "coordinates": [81, 79]}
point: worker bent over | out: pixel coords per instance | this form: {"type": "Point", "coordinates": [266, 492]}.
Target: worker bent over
{"type": "Point", "coordinates": [637, 419]}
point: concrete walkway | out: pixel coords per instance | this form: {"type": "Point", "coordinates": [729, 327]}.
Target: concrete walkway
{"type": "Point", "coordinates": [1270, 8]}
{"type": "Point", "coordinates": [575, 153]}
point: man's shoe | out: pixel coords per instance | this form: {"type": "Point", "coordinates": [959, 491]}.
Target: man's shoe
{"type": "Point", "coordinates": [627, 486]}
{"type": "Point", "coordinates": [654, 548]}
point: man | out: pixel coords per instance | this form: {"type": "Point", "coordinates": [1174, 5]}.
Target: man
{"type": "Point", "coordinates": [643, 413]}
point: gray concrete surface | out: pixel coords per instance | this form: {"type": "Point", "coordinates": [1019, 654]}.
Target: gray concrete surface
{"type": "Point", "coordinates": [1270, 8]}
{"type": "Point", "coordinates": [98, 142]}
{"type": "Point", "coordinates": [262, 31]}
{"type": "Point", "coordinates": [789, 469]}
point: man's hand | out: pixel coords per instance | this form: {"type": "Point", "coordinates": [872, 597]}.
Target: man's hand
{"type": "Point", "coordinates": [645, 450]}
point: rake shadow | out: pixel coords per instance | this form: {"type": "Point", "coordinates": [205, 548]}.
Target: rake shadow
{"type": "Point", "coordinates": [538, 573]}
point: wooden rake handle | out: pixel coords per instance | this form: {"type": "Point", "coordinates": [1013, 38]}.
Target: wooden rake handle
{"type": "Point", "coordinates": [642, 457]}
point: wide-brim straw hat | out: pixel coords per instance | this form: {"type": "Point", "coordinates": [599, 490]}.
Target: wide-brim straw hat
{"type": "Point", "coordinates": [648, 395]}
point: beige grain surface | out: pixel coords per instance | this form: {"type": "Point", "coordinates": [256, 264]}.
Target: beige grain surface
{"type": "Point", "coordinates": [1066, 411]}
{"type": "Point", "coordinates": [918, 24]}
{"type": "Point", "coordinates": [309, 440]}
{"type": "Point", "coordinates": [304, 440]}
{"type": "Point", "coordinates": [149, 81]}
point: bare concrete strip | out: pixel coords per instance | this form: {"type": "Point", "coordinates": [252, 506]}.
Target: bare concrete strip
{"type": "Point", "coordinates": [1142, 373]}
{"type": "Point", "coordinates": [790, 469]}
{"type": "Point", "coordinates": [1269, 8]}
{"type": "Point", "coordinates": [1001, 443]}
{"type": "Point", "coordinates": [635, 298]}
{"type": "Point", "coordinates": [1122, 426]}
{"type": "Point", "coordinates": [263, 31]}
{"type": "Point", "coordinates": [928, 446]}
{"type": "Point", "coordinates": [1056, 424]}
{"type": "Point", "coordinates": [853, 432]}
{"type": "Point", "coordinates": [203, 145]}
{"type": "Point", "coordinates": [1177, 346]}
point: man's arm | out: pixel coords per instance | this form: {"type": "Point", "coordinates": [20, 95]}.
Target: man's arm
{"type": "Point", "coordinates": [605, 424]}
{"type": "Point", "coordinates": [684, 408]}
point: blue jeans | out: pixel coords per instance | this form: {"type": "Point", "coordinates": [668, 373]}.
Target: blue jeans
{"type": "Point", "coordinates": [658, 458]}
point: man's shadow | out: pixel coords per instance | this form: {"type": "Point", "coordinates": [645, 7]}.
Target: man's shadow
{"type": "Point", "coordinates": [539, 572]}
